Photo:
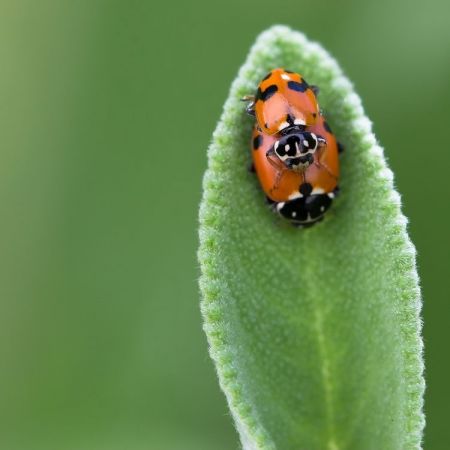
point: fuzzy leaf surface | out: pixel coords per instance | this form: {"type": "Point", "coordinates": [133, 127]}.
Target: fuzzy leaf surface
{"type": "Point", "coordinates": [315, 333]}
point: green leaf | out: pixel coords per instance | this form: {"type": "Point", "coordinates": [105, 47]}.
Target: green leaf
{"type": "Point", "coordinates": [315, 333]}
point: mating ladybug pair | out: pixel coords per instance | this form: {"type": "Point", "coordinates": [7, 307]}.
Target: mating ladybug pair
{"type": "Point", "coordinates": [295, 154]}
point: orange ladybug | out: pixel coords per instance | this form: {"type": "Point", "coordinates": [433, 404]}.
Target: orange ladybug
{"type": "Point", "coordinates": [295, 154]}
{"type": "Point", "coordinates": [284, 99]}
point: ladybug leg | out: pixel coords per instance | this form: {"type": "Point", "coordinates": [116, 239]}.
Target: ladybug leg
{"type": "Point", "coordinates": [278, 165]}
{"type": "Point", "coordinates": [315, 89]}
{"type": "Point", "coordinates": [274, 160]}
{"type": "Point", "coordinates": [320, 151]}
{"type": "Point", "coordinates": [280, 173]}
{"type": "Point", "coordinates": [269, 201]}
{"type": "Point", "coordinates": [251, 105]}
{"type": "Point", "coordinates": [320, 154]}
{"type": "Point", "coordinates": [335, 192]}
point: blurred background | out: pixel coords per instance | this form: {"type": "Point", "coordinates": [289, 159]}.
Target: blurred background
{"type": "Point", "coordinates": [106, 111]}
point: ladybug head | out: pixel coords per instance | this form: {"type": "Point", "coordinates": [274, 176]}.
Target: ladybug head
{"type": "Point", "coordinates": [297, 150]}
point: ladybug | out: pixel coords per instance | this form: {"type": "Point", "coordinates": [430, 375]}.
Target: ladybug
{"type": "Point", "coordinates": [284, 99]}
{"type": "Point", "coordinates": [295, 154]}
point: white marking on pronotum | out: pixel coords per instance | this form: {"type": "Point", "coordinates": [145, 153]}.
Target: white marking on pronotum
{"type": "Point", "coordinates": [305, 143]}
{"type": "Point", "coordinates": [299, 122]}
{"type": "Point", "coordinates": [322, 208]}
{"type": "Point", "coordinates": [295, 195]}
{"type": "Point", "coordinates": [283, 125]}
{"type": "Point", "coordinates": [294, 214]}
{"type": "Point", "coordinates": [285, 76]}
{"type": "Point", "coordinates": [317, 191]}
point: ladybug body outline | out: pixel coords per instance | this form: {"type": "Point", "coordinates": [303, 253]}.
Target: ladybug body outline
{"type": "Point", "coordinates": [294, 152]}
{"type": "Point", "coordinates": [283, 100]}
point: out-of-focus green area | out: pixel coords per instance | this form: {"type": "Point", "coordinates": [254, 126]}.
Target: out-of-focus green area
{"type": "Point", "coordinates": [106, 110]}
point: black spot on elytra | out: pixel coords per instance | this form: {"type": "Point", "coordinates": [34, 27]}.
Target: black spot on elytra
{"type": "Point", "coordinates": [267, 93]}
{"type": "Point", "coordinates": [327, 127]}
{"type": "Point", "coordinates": [341, 148]}
{"type": "Point", "coordinates": [296, 86]}
{"type": "Point", "coordinates": [314, 115]}
{"type": "Point", "coordinates": [257, 141]}
{"type": "Point", "coordinates": [305, 189]}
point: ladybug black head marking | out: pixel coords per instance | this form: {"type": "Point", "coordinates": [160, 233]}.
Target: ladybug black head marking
{"type": "Point", "coordinates": [297, 150]}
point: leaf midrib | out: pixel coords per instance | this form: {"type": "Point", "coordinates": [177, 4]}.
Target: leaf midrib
{"type": "Point", "coordinates": [310, 273]}
{"type": "Point", "coordinates": [325, 373]}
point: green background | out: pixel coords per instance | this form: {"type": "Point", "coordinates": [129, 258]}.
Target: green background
{"type": "Point", "coordinates": [106, 111]}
